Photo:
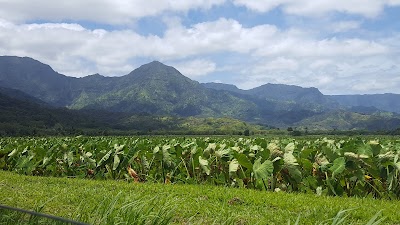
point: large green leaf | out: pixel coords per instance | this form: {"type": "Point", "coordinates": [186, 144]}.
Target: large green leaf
{"type": "Point", "coordinates": [210, 148]}
{"type": "Point", "coordinates": [243, 160]}
{"type": "Point", "coordinates": [262, 170]}
{"type": "Point", "coordinates": [116, 162]}
{"type": "Point", "coordinates": [105, 158]}
{"type": "Point", "coordinates": [167, 159]}
{"type": "Point", "coordinates": [365, 150]}
{"type": "Point", "coordinates": [156, 150]}
{"type": "Point", "coordinates": [178, 150]}
{"type": "Point", "coordinates": [306, 152]}
{"type": "Point", "coordinates": [290, 162]}
{"type": "Point", "coordinates": [290, 147]}
{"type": "Point", "coordinates": [295, 173]}
{"type": "Point", "coordinates": [144, 162]}
{"type": "Point", "coordinates": [233, 166]}
{"type": "Point", "coordinates": [376, 147]}
{"type": "Point", "coordinates": [222, 153]}
{"type": "Point", "coordinates": [204, 165]}
{"type": "Point", "coordinates": [129, 156]}
{"type": "Point", "coordinates": [338, 166]}
{"type": "Point", "coordinates": [306, 165]}
{"type": "Point", "coordinates": [118, 148]}
{"type": "Point", "coordinates": [289, 159]}
{"type": "Point", "coordinates": [70, 158]}
{"type": "Point", "coordinates": [330, 153]}
{"type": "Point", "coordinates": [263, 153]}
{"type": "Point", "coordinates": [273, 147]}
{"type": "Point", "coordinates": [321, 160]}
{"type": "Point", "coordinates": [255, 148]}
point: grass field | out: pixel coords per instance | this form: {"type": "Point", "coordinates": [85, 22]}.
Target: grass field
{"type": "Point", "coordinates": [103, 202]}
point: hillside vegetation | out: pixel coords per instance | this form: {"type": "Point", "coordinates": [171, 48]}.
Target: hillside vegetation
{"type": "Point", "coordinates": [157, 90]}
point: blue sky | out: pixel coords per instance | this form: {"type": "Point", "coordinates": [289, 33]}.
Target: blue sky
{"type": "Point", "coordinates": [340, 47]}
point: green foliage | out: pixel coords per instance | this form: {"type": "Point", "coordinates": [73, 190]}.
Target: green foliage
{"type": "Point", "coordinates": [343, 167]}
{"type": "Point", "coordinates": [23, 118]}
{"type": "Point", "coordinates": [264, 170]}
{"type": "Point", "coordinates": [338, 167]}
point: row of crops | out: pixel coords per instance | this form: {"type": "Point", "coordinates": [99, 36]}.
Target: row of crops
{"type": "Point", "coordinates": [342, 167]}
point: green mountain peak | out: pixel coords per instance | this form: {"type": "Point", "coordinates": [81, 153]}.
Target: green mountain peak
{"type": "Point", "coordinates": [160, 90]}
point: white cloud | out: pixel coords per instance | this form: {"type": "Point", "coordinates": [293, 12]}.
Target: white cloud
{"type": "Point", "coordinates": [310, 47]}
{"type": "Point", "coordinates": [278, 64]}
{"type": "Point", "coordinates": [261, 5]}
{"type": "Point", "coordinates": [101, 11]}
{"type": "Point", "coordinates": [332, 75]}
{"type": "Point", "coordinates": [321, 63]}
{"type": "Point", "coordinates": [50, 26]}
{"type": "Point", "coordinates": [344, 26]}
{"type": "Point", "coordinates": [70, 48]}
{"type": "Point", "coordinates": [208, 37]}
{"type": "Point", "coordinates": [267, 53]}
{"type": "Point", "coordinates": [195, 68]}
{"type": "Point", "coordinates": [370, 8]}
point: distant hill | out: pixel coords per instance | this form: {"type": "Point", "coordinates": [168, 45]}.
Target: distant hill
{"type": "Point", "coordinates": [36, 79]}
{"type": "Point", "coordinates": [345, 120]}
{"type": "Point", "coordinates": [288, 94]}
{"type": "Point", "coordinates": [157, 90]}
{"type": "Point", "coordinates": [152, 88]}
{"type": "Point", "coordinates": [336, 112]}
{"type": "Point", "coordinates": [21, 96]}
{"type": "Point", "coordinates": [309, 97]}
{"type": "Point", "coordinates": [24, 115]}
{"type": "Point", "coordinates": [384, 102]}
{"type": "Point", "coordinates": [21, 114]}
{"type": "Point", "coordinates": [223, 87]}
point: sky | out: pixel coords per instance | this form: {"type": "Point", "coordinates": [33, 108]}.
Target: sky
{"type": "Point", "coordinates": [337, 46]}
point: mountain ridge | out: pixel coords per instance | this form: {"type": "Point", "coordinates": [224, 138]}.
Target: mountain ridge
{"type": "Point", "coordinates": [157, 89]}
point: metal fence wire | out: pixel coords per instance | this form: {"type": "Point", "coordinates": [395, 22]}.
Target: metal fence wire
{"type": "Point", "coordinates": [11, 215]}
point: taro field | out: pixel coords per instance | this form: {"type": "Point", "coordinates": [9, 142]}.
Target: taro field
{"type": "Point", "coordinates": [350, 166]}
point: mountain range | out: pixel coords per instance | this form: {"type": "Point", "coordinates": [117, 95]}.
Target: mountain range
{"type": "Point", "coordinates": [155, 89]}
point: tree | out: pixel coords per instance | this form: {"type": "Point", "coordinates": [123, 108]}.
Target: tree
{"type": "Point", "coordinates": [296, 133]}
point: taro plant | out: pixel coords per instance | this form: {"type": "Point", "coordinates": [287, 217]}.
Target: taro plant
{"type": "Point", "coordinates": [343, 167]}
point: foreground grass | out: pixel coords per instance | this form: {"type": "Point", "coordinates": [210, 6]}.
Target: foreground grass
{"type": "Point", "coordinates": [89, 200]}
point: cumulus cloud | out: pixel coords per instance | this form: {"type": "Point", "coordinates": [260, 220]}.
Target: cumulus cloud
{"type": "Point", "coordinates": [56, 44]}
{"type": "Point", "coordinates": [125, 12]}
{"type": "Point", "coordinates": [332, 75]}
{"type": "Point", "coordinates": [69, 48]}
{"type": "Point", "coordinates": [344, 26]}
{"type": "Point", "coordinates": [372, 8]}
{"type": "Point", "coordinates": [268, 53]}
{"type": "Point", "coordinates": [220, 35]}
{"type": "Point", "coordinates": [277, 64]}
{"type": "Point", "coordinates": [195, 68]}
{"type": "Point", "coordinates": [306, 47]}
{"type": "Point", "coordinates": [101, 11]}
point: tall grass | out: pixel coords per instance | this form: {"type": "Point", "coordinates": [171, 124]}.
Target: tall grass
{"type": "Point", "coordinates": [143, 211]}
{"type": "Point", "coordinates": [341, 216]}
{"type": "Point", "coordinates": [140, 211]}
